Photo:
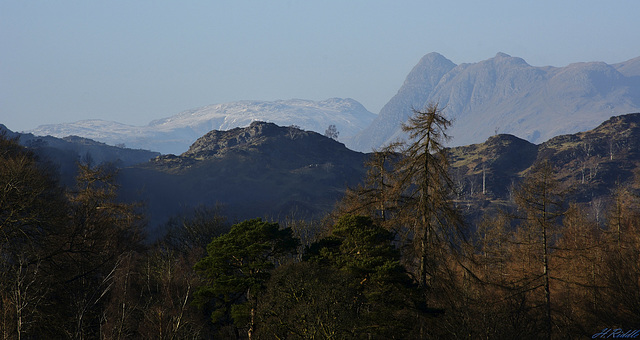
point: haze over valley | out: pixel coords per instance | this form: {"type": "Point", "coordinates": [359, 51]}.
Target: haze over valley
{"type": "Point", "coordinates": [503, 94]}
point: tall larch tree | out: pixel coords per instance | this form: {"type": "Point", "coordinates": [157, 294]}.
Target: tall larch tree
{"type": "Point", "coordinates": [541, 203]}
{"type": "Point", "coordinates": [426, 189]}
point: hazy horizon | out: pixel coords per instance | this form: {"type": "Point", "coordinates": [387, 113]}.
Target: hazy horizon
{"type": "Point", "coordinates": [133, 62]}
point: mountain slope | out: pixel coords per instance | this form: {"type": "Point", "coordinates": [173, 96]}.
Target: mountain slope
{"type": "Point", "coordinates": [415, 91]}
{"type": "Point", "coordinates": [591, 163]}
{"type": "Point", "coordinates": [263, 170]}
{"type": "Point", "coordinates": [629, 68]}
{"type": "Point", "coordinates": [175, 134]}
{"type": "Point", "coordinates": [505, 94]}
{"type": "Point", "coordinates": [65, 152]}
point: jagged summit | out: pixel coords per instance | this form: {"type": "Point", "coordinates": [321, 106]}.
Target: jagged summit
{"type": "Point", "coordinates": [617, 135]}
{"type": "Point", "coordinates": [501, 57]}
{"type": "Point", "coordinates": [258, 170]}
{"type": "Point", "coordinates": [426, 74]}
{"type": "Point", "coordinates": [258, 134]}
{"type": "Point", "coordinates": [422, 80]}
{"type": "Point", "coordinates": [215, 142]}
{"type": "Point", "coordinates": [508, 95]}
{"type": "Point", "coordinates": [622, 122]}
{"type": "Point", "coordinates": [434, 59]}
{"type": "Point", "coordinates": [261, 142]}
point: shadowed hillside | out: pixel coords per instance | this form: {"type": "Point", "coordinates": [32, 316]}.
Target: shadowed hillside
{"type": "Point", "coordinates": [260, 171]}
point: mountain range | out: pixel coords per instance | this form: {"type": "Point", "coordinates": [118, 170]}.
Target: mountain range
{"type": "Point", "coordinates": [174, 135]}
{"type": "Point", "coordinates": [504, 94]}
{"type": "Point", "coordinates": [266, 170]}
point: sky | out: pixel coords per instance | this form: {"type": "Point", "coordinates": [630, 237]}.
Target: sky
{"type": "Point", "coordinates": [136, 61]}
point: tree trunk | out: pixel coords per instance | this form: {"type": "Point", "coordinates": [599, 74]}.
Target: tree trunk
{"type": "Point", "coordinates": [545, 259]}
{"type": "Point", "coordinates": [547, 291]}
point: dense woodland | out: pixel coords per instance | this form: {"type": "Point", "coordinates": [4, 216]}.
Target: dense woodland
{"type": "Point", "coordinates": [396, 259]}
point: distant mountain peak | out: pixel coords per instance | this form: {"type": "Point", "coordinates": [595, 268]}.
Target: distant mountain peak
{"type": "Point", "coordinates": [428, 64]}
{"type": "Point", "coordinates": [503, 58]}
{"type": "Point", "coordinates": [433, 58]}
{"type": "Point", "coordinates": [422, 80]}
{"type": "Point", "coordinates": [176, 133]}
{"type": "Point", "coordinates": [508, 95]}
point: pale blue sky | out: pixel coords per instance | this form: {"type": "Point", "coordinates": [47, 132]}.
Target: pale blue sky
{"type": "Point", "coordinates": [133, 61]}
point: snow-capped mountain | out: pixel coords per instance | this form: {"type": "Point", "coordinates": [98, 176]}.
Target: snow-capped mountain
{"type": "Point", "coordinates": [504, 94]}
{"type": "Point", "coordinates": [175, 134]}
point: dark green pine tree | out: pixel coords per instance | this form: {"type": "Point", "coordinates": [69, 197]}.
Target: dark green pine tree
{"type": "Point", "coordinates": [236, 268]}
{"type": "Point", "coordinates": [392, 303]}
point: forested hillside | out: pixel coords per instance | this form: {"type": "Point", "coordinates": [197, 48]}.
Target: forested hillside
{"type": "Point", "coordinates": [589, 164]}
{"type": "Point", "coordinates": [499, 240]}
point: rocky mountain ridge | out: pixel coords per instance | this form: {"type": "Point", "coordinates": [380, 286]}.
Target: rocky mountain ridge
{"type": "Point", "coordinates": [504, 94]}
{"type": "Point", "coordinates": [589, 164]}
{"type": "Point", "coordinates": [266, 170]}
{"type": "Point", "coordinates": [262, 170]}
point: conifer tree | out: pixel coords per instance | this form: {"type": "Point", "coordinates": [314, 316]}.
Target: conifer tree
{"type": "Point", "coordinates": [426, 189]}
{"type": "Point", "coordinates": [351, 285]}
{"type": "Point", "coordinates": [541, 202]}
{"type": "Point", "coordinates": [236, 268]}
